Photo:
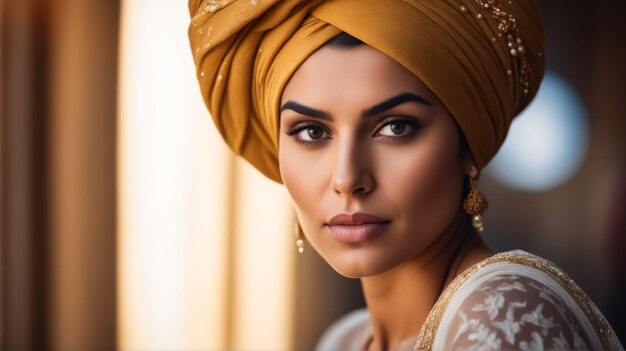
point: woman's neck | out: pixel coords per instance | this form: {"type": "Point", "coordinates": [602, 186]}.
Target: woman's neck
{"type": "Point", "coordinates": [400, 300]}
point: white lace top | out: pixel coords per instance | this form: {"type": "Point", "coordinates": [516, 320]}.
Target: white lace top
{"type": "Point", "coordinates": [512, 300]}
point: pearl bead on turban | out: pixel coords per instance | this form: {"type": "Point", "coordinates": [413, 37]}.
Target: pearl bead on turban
{"type": "Point", "coordinates": [482, 58]}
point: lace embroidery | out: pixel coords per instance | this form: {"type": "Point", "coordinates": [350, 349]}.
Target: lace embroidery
{"type": "Point", "coordinates": [511, 315]}
{"type": "Point", "coordinates": [481, 333]}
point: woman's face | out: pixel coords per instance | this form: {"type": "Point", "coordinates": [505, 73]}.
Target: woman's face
{"type": "Point", "coordinates": [370, 157]}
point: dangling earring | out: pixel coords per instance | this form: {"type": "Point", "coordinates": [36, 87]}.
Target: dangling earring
{"type": "Point", "coordinates": [299, 237]}
{"type": "Point", "coordinates": [475, 204]}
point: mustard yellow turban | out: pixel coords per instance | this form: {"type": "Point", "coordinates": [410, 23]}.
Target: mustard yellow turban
{"type": "Point", "coordinates": [482, 58]}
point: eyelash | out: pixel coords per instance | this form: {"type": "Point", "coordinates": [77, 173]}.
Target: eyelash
{"type": "Point", "coordinates": [410, 122]}
{"type": "Point", "coordinates": [298, 127]}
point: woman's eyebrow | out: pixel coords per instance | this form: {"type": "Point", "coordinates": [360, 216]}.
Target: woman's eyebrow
{"type": "Point", "coordinates": [383, 106]}
{"type": "Point", "coordinates": [305, 110]}
{"type": "Point", "coordinates": [393, 102]}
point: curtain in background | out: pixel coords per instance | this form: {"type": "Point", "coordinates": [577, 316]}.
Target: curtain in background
{"type": "Point", "coordinates": [127, 224]}
{"type": "Point", "coordinates": [22, 254]}
{"type": "Point", "coordinates": [205, 252]}
{"type": "Point", "coordinates": [59, 64]}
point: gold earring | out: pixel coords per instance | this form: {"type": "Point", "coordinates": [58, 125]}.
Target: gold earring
{"type": "Point", "coordinates": [475, 204]}
{"type": "Point", "coordinates": [299, 237]}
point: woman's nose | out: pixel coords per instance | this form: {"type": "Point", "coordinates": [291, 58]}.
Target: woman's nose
{"type": "Point", "coordinates": [352, 174]}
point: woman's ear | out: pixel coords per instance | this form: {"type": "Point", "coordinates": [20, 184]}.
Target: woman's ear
{"type": "Point", "coordinates": [469, 166]}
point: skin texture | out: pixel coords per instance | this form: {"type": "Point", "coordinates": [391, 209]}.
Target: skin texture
{"type": "Point", "coordinates": [403, 164]}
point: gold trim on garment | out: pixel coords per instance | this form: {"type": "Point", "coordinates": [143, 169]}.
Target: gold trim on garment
{"type": "Point", "coordinates": [602, 328]}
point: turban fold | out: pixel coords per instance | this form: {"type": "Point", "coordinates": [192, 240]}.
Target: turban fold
{"type": "Point", "coordinates": [482, 58]}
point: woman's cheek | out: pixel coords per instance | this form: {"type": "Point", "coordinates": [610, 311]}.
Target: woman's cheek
{"type": "Point", "coordinates": [302, 173]}
{"type": "Point", "coordinates": [423, 178]}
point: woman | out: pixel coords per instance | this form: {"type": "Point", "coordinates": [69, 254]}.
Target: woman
{"type": "Point", "coordinates": [377, 116]}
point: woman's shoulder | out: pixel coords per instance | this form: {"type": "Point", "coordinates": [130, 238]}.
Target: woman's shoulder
{"type": "Point", "coordinates": [515, 300]}
{"type": "Point", "coordinates": [347, 333]}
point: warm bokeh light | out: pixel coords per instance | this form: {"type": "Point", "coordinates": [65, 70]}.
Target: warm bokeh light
{"type": "Point", "coordinates": [547, 141]}
{"type": "Point", "coordinates": [205, 251]}
{"type": "Point", "coordinates": [264, 273]}
{"type": "Point", "coordinates": [169, 254]}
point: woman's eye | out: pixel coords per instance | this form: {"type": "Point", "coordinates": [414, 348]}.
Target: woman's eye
{"type": "Point", "coordinates": [312, 134]}
{"type": "Point", "coordinates": [396, 129]}
{"type": "Point", "coordinates": [309, 133]}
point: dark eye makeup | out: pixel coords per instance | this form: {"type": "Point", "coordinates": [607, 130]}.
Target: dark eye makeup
{"type": "Point", "coordinates": [397, 128]}
{"type": "Point", "coordinates": [393, 129]}
{"type": "Point", "coordinates": [308, 133]}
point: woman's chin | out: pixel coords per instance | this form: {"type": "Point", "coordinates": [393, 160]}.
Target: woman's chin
{"type": "Point", "coordinates": [360, 263]}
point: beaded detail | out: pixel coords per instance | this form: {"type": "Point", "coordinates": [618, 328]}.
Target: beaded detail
{"type": "Point", "coordinates": [215, 5]}
{"type": "Point", "coordinates": [506, 25]}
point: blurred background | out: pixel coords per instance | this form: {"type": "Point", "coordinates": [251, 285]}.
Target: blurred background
{"type": "Point", "coordinates": [127, 224]}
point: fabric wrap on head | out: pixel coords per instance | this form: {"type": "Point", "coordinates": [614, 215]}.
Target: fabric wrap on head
{"type": "Point", "coordinates": [482, 58]}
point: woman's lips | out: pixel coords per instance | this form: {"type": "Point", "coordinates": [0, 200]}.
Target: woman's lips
{"type": "Point", "coordinates": [356, 227]}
